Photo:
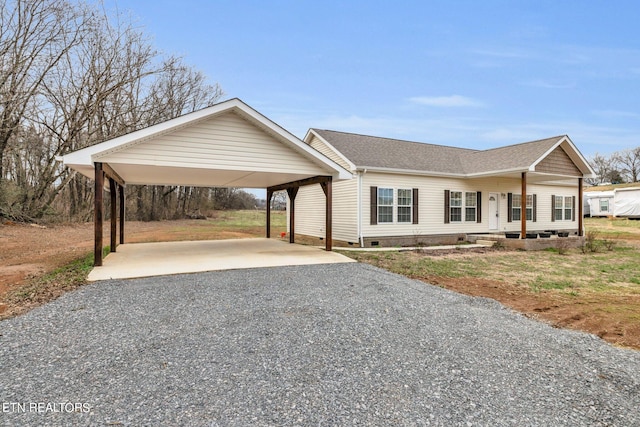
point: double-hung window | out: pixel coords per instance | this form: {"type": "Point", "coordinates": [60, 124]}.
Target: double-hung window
{"type": "Point", "coordinates": [385, 205]}
{"type": "Point", "coordinates": [558, 208]}
{"type": "Point", "coordinates": [470, 206]}
{"type": "Point", "coordinates": [516, 206]}
{"type": "Point", "coordinates": [456, 206]}
{"type": "Point", "coordinates": [604, 205]}
{"type": "Point", "coordinates": [568, 208]}
{"type": "Point", "coordinates": [405, 205]}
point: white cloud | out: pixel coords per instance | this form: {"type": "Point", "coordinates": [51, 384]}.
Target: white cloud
{"type": "Point", "coordinates": [446, 101]}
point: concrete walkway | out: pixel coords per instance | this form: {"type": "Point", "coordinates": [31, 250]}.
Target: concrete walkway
{"type": "Point", "coordinates": [157, 259]}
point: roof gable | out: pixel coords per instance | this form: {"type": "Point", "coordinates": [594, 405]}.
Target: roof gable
{"type": "Point", "coordinates": [243, 147]}
{"type": "Point", "coordinates": [558, 161]}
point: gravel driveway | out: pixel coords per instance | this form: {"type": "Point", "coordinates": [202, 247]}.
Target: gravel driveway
{"type": "Point", "coordinates": [340, 344]}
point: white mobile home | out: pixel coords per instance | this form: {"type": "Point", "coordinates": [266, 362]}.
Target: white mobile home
{"type": "Point", "coordinates": [598, 203]}
{"type": "Point", "coordinates": [626, 202]}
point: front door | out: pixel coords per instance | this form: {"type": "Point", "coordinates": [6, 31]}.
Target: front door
{"type": "Point", "coordinates": [494, 212]}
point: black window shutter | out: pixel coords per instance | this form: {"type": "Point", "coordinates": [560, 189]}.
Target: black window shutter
{"type": "Point", "coordinates": [553, 208]}
{"type": "Point", "coordinates": [415, 205]}
{"type": "Point", "coordinates": [573, 208]}
{"type": "Point", "coordinates": [479, 206]}
{"type": "Point", "coordinates": [535, 208]}
{"type": "Point", "coordinates": [447, 202]}
{"type": "Point", "coordinates": [509, 207]}
{"type": "Point", "coordinates": [374, 206]}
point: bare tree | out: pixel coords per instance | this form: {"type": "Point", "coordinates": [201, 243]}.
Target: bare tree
{"type": "Point", "coordinates": [605, 168]}
{"type": "Point", "coordinates": [34, 36]}
{"type": "Point", "coordinates": [629, 163]}
{"type": "Point", "coordinates": [72, 76]}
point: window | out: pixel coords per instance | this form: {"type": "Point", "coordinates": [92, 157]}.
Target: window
{"type": "Point", "coordinates": [470, 200]}
{"type": "Point", "coordinates": [385, 205]}
{"type": "Point", "coordinates": [563, 208]}
{"type": "Point", "coordinates": [456, 206]}
{"type": "Point", "coordinates": [516, 207]}
{"type": "Point", "coordinates": [568, 208]}
{"type": "Point", "coordinates": [462, 206]}
{"type": "Point", "coordinates": [529, 207]}
{"type": "Point", "coordinates": [401, 207]}
{"type": "Point", "coordinates": [405, 205]}
{"type": "Point", "coordinates": [604, 205]}
{"type": "Point", "coordinates": [558, 208]}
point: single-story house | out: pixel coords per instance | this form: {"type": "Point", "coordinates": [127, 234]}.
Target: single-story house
{"type": "Point", "coordinates": [410, 193]}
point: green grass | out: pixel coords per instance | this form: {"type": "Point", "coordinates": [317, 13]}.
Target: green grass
{"type": "Point", "coordinates": [237, 221]}
{"type": "Point", "coordinates": [607, 271]}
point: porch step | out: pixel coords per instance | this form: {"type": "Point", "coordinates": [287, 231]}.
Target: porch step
{"type": "Point", "coordinates": [485, 242]}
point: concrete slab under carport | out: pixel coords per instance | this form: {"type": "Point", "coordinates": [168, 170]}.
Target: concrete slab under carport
{"type": "Point", "coordinates": [158, 259]}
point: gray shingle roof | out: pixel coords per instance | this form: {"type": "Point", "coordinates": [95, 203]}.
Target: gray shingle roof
{"type": "Point", "coordinates": [376, 152]}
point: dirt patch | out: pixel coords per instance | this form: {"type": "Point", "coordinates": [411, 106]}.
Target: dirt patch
{"type": "Point", "coordinates": [606, 316]}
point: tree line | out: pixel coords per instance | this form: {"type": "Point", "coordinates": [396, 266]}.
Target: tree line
{"type": "Point", "coordinates": [73, 74]}
{"type": "Point", "coordinates": [616, 168]}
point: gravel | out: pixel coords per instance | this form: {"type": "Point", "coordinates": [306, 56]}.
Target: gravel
{"type": "Point", "coordinates": [335, 344]}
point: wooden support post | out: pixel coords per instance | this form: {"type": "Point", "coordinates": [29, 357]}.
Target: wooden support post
{"type": "Point", "coordinates": [292, 192]}
{"type": "Point", "coordinates": [523, 207]}
{"type": "Point", "coordinates": [98, 214]}
{"type": "Point", "coordinates": [122, 211]}
{"type": "Point", "coordinates": [292, 189]}
{"type": "Point", "coordinates": [269, 196]}
{"type": "Point", "coordinates": [326, 187]}
{"type": "Point", "coordinates": [114, 214]}
{"type": "Point", "coordinates": [580, 207]}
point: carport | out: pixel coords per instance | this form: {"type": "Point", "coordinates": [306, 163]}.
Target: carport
{"type": "Point", "coordinates": [226, 145]}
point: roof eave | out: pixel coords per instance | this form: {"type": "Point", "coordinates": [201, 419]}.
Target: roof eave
{"type": "Point", "coordinates": [408, 171]}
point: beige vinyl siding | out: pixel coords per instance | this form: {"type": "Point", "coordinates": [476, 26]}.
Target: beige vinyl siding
{"type": "Point", "coordinates": [431, 204]}
{"type": "Point", "coordinates": [310, 211]}
{"type": "Point", "coordinates": [223, 142]}
{"type": "Point", "coordinates": [319, 145]}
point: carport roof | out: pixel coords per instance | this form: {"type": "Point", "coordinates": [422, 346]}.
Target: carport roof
{"type": "Point", "coordinates": [226, 145]}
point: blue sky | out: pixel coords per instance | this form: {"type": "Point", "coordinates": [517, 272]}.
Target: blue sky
{"type": "Point", "coordinates": [475, 74]}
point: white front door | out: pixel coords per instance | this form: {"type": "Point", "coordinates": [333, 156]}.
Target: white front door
{"type": "Point", "coordinates": [494, 211]}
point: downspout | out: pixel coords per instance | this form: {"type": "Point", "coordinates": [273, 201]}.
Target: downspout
{"type": "Point", "coordinates": [360, 236]}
